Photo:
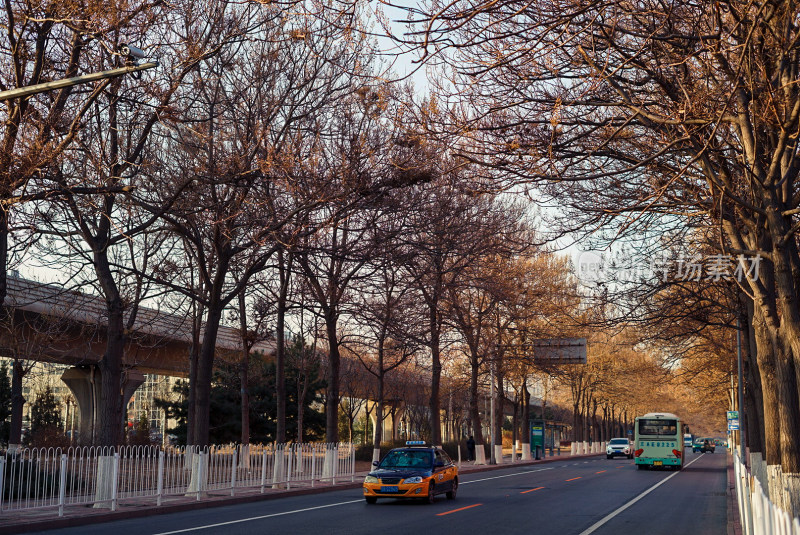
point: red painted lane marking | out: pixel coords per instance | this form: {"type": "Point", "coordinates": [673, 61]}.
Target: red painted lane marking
{"type": "Point", "coordinates": [531, 490]}
{"type": "Point", "coordinates": [457, 510]}
{"type": "Point", "coordinates": [621, 466]}
{"type": "Point", "coordinates": [600, 472]}
{"type": "Point", "coordinates": [573, 479]}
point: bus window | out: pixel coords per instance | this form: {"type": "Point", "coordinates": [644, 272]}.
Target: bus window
{"type": "Point", "coordinates": [657, 427]}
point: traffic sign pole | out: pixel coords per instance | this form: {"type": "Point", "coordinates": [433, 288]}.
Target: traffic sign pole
{"type": "Point", "coordinates": [741, 390]}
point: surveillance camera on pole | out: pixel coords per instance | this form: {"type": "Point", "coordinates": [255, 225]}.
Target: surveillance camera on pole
{"type": "Point", "coordinates": [132, 53]}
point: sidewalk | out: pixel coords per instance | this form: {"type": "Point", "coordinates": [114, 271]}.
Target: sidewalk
{"type": "Point", "coordinates": [42, 519]}
{"type": "Point", "coordinates": [734, 526]}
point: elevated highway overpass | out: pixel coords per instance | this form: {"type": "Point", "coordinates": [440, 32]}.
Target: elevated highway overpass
{"type": "Point", "coordinates": [50, 323]}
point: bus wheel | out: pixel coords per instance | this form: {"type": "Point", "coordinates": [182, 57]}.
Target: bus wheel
{"type": "Point", "coordinates": [640, 466]}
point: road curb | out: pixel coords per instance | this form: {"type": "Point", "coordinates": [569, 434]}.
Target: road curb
{"type": "Point", "coordinates": [22, 526]}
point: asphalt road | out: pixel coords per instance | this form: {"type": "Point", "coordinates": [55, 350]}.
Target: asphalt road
{"type": "Point", "coordinates": [567, 497]}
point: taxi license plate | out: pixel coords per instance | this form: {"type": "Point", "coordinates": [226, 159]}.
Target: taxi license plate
{"type": "Point", "coordinates": [657, 463]}
{"type": "Point", "coordinates": [389, 489]}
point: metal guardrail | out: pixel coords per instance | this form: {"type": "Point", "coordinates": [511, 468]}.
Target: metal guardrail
{"type": "Point", "coordinates": [759, 516]}
{"type": "Point", "coordinates": [49, 478]}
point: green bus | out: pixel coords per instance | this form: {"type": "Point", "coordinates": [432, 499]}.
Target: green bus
{"type": "Point", "coordinates": [658, 441]}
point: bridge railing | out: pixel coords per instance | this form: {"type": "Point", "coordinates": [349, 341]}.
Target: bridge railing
{"type": "Point", "coordinates": [759, 516]}
{"type": "Point", "coordinates": [51, 478]}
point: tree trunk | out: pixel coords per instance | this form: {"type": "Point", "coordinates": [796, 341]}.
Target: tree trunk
{"type": "Point", "coordinates": [109, 432]}
{"type": "Point", "coordinates": [302, 387]}
{"type": "Point", "coordinates": [205, 370]}
{"type": "Point", "coordinates": [765, 357]}
{"type": "Point", "coordinates": [526, 419]}
{"type": "Point", "coordinates": [499, 407]}
{"type": "Point", "coordinates": [515, 424]}
{"type": "Point", "coordinates": [378, 431]}
{"type": "Point", "coordinates": [474, 402]}
{"type": "Point", "coordinates": [332, 391]}
{"type": "Point", "coordinates": [280, 350]}
{"type": "Point", "coordinates": [244, 368]}
{"type": "Point", "coordinates": [754, 404]}
{"type": "Point", "coordinates": [786, 326]}
{"type": "Point", "coordinates": [788, 414]}
{"type": "Point", "coordinates": [576, 421]}
{"type": "Point", "coordinates": [190, 411]}
{"type": "Point", "coordinates": [436, 375]}
{"type": "Point", "coordinates": [3, 259]}
{"type": "Point", "coordinates": [17, 402]}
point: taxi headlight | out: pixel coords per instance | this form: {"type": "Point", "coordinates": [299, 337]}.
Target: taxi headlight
{"type": "Point", "coordinates": [415, 479]}
{"type": "Point", "coordinates": [370, 479]}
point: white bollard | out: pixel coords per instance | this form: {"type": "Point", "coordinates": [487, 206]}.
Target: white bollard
{"type": "Point", "coordinates": [105, 483]}
{"type": "Point", "coordinates": [160, 483]}
{"type": "Point", "coordinates": [234, 466]}
{"type": "Point", "coordinates": [279, 467]}
{"type": "Point", "coordinates": [264, 471]}
{"type": "Point", "coordinates": [62, 484]}
{"type": "Point", "coordinates": [198, 483]}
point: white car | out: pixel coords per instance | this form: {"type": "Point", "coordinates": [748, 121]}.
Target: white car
{"type": "Point", "coordinates": [619, 447]}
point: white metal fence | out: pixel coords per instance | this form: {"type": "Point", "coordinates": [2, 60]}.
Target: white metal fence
{"type": "Point", "coordinates": [104, 477]}
{"type": "Point", "coordinates": [759, 516]}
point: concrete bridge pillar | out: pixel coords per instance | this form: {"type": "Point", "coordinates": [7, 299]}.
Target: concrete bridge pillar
{"type": "Point", "coordinates": [85, 384]}
{"type": "Point", "coordinates": [396, 417]}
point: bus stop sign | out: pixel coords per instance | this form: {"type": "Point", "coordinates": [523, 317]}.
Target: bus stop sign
{"type": "Point", "coordinates": [537, 435]}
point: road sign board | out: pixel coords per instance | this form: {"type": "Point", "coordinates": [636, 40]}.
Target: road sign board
{"type": "Point", "coordinates": [733, 425]}
{"type": "Point", "coordinates": [560, 351]}
{"type": "Point", "coordinates": [733, 415]}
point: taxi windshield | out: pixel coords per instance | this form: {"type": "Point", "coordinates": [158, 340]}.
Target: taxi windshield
{"type": "Point", "coordinates": [406, 459]}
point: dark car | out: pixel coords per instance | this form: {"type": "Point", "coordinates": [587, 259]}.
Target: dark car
{"type": "Point", "coordinates": [702, 445]}
{"type": "Point", "coordinates": [416, 471]}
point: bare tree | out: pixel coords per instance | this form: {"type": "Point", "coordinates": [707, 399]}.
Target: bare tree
{"type": "Point", "coordinates": [448, 230]}
{"type": "Point", "coordinates": [389, 322]}
{"type": "Point", "coordinates": [643, 119]}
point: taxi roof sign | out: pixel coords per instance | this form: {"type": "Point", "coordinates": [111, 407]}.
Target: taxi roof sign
{"type": "Point", "coordinates": [415, 442]}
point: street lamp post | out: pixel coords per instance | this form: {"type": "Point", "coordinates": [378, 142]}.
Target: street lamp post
{"type": "Point", "coordinates": [492, 459]}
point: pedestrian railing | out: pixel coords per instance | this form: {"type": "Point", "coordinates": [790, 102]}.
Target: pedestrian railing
{"type": "Point", "coordinates": [759, 516]}
{"type": "Point", "coordinates": [49, 478]}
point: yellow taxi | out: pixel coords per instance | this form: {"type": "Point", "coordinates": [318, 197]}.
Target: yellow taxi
{"type": "Point", "coordinates": [415, 471]}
